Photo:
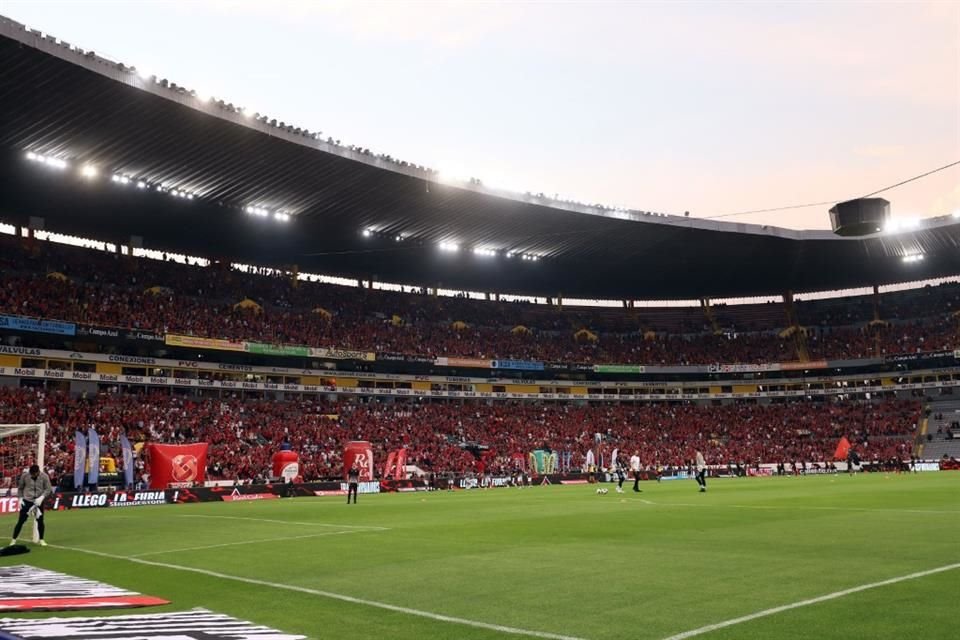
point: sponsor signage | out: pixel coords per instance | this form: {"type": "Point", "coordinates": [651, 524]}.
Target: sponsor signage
{"type": "Point", "coordinates": [618, 368]}
{"type": "Point", "coordinates": [264, 349]}
{"type": "Point", "coordinates": [20, 351]}
{"type": "Point", "coordinates": [796, 366]}
{"type": "Point", "coordinates": [743, 368]}
{"type": "Point", "coordinates": [32, 325]}
{"type": "Point", "coordinates": [84, 330]}
{"type": "Point", "coordinates": [464, 362]}
{"type": "Point", "coordinates": [909, 357]}
{"type": "Point", "coordinates": [341, 354]}
{"type": "Point", "coordinates": [362, 487]}
{"type": "Point", "coordinates": [522, 365]}
{"type": "Point", "coordinates": [236, 496]}
{"type": "Point", "coordinates": [9, 505]}
{"type": "Point", "coordinates": [196, 624]}
{"type": "Point", "coordinates": [193, 342]}
{"type": "Point", "coordinates": [63, 501]}
{"type": "Point", "coordinates": [28, 588]}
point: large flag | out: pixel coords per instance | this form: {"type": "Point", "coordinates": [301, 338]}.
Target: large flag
{"type": "Point", "coordinates": [127, 461]}
{"type": "Point", "coordinates": [93, 456]}
{"type": "Point", "coordinates": [79, 460]}
{"type": "Point", "coordinates": [843, 448]}
{"type": "Point", "coordinates": [182, 465]}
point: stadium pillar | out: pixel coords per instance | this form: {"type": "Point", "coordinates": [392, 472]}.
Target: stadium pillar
{"type": "Point", "coordinates": [799, 335]}
{"type": "Point", "coordinates": [708, 312]}
{"type": "Point", "coordinates": [877, 347]}
{"type": "Point", "coordinates": [560, 301]}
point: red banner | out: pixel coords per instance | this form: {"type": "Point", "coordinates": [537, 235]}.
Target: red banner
{"type": "Point", "coordinates": [843, 448]}
{"type": "Point", "coordinates": [177, 465]}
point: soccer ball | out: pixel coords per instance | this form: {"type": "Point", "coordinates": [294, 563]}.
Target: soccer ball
{"type": "Point", "coordinates": [602, 492]}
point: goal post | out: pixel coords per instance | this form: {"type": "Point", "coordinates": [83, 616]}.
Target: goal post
{"type": "Point", "coordinates": [21, 445]}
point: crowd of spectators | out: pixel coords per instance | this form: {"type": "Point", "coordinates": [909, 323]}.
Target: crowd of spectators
{"type": "Point", "coordinates": [244, 434]}
{"type": "Point", "coordinates": [59, 282]}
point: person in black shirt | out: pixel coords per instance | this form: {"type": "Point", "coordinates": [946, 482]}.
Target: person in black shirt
{"type": "Point", "coordinates": [353, 478]}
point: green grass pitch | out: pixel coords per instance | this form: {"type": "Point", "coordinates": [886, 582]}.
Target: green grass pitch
{"type": "Point", "coordinates": [554, 561]}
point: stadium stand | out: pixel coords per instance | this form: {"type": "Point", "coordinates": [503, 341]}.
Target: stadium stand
{"type": "Point", "coordinates": [943, 431]}
{"type": "Point", "coordinates": [244, 434]}
{"type": "Point", "coordinates": [49, 281]}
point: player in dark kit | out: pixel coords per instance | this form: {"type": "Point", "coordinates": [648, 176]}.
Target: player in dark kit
{"type": "Point", "coordinates": [353, 478]}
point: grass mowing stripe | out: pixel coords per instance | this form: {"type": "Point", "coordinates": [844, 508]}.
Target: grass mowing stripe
{"type": "Point", "coordinates": [308, 524]}
{"type": "Point", "coordinates": [805, 603]}
{"type": "Point", "coordinates": [242, 542]}
{"type": "Point", "coordinates": [327, 594]}
{"type": "Point", "coordinates": [792, 507]}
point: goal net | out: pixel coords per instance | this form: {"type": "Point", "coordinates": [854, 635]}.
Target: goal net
{"type": "Point", "coordinates": [21, 445]}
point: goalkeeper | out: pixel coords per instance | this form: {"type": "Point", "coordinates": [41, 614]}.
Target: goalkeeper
{"type": "Point", "coordinates": [33, 489]}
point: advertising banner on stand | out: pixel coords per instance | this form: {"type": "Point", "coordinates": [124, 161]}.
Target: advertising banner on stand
{"type": "Point", "coordinates": [79, 459]}
{"type": "Point", "coordinates": [177, 465]}
{"type": "Point", "coordinates": [127, 461]}
{"type": "Point", "coordinates": [93, 456]}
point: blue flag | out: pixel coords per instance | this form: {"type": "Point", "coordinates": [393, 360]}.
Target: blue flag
{"type": "Point", "coordinates": [79, 460]}
{"type": "Point", "coordinates": [127, 461]}
{"type": "Point", "coordinates": [93, 455]}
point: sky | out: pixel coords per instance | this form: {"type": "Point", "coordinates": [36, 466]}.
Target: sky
{"type": "Point", "coordinates": [712, 107]}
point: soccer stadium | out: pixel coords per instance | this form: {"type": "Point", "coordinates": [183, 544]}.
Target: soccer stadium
{"type": "Point", "coordinates": [568, 420]}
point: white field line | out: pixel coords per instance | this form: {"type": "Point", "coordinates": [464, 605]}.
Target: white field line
{"type": "Point", "coordinates": [242, 542]}
{"type": "Point", "coordinates": [330, 595]}
{"type": "Point", "coordinates": [306, 524]}
{"type": "Point", "coordinates": [805, 603]}
{"type": "Point", "coordinates": [955, 512]}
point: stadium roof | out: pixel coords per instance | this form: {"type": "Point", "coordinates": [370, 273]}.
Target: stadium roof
{"type": "Point", "coordinates": [61, 102]}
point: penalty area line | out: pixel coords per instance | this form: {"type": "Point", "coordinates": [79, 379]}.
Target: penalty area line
{"type": "Point", "coordinates": [327, 594]}
{"type": "Point", "coordinates": [243, 542]}
{"type": "Point", "coordinates": [306, 524]}
{"type": "Point", "coordinates": [806, 603]}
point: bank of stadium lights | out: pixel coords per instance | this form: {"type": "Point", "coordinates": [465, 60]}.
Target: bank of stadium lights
{"type": "Point", "coordinates": [50, 161]}
{"type": "Point", "coordinates": [281, 216]}
{"type": "Point", "coordinates": [449, 247]}
{"type": "Point", "coordinates": [89, 171]}
{"type": "Point", "coordinates": [895, 225]}
{"type": "Point", "coordinates": [260, 212]}
{"type": "Point", "coordinates": [913, 257]}
{"type": "Point", "coordinates": [486, 253]}
{"type": "Point", "coordinates": [530, 257]}
{"type": "Point", "coordinates": [367, 232]}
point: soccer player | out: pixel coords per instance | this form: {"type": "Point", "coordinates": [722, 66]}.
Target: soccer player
{"type": "Point", "coordinates": [33, 489]}
{"type": "Point", "coordinates": [353, 477]}
{"type": "Point", "coordinates": [621, 476]}
{"type": "Point", "coordinates": [701, 472]}
{"type": "Point", "coordinates": [635, 470]}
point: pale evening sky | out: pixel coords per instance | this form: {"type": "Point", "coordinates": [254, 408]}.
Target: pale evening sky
{"type": "Point", "coordinates": [709, 107]}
